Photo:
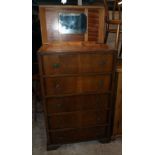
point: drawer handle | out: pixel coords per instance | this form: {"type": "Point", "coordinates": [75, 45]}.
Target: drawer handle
{"type": "Point", "coordinates": [56, 65]}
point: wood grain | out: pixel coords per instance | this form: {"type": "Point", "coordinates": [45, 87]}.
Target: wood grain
{"type": "Point", "coordinates": [78, 93]}
{"type": "Point", "coordinates": [49, 21]}
{"type": "Point", "coordinates": [77, 77]}
{"type": "Point", "coordinates": [117, 126]}
{"type": "Point", "coordinates": [77, 103]}
{"type": "Point", "coordinates": [43, 25]}
{"type": "Point", "coordinates": [76, 63]}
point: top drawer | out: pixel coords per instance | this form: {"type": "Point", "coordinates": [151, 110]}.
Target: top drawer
{"type": "Point", "coordinates": [96, 63]}
{"type": "Point", "coordinates": [76, 63]}
{"type": "Point", "coordinates": [60, 64]}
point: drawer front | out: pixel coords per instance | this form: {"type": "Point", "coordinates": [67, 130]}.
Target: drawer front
{"type": "Point", "coordinates": [96, 63]}
{"type": "Point", "coordinates": [96, 83]}
{"type": "Point", "coordinates": [77, 63]}
{"type": "Point", "coordinates": [78, 119]}
{"type": "Point", "coordinates": [61, 85]}
{"type": "Point", "coordinates": [60, 64]}
{"type": "Point", "coordinates": [92, 118]}
{"type": "Point", "coordinates": [70, 120]}
{"type": "Point", "coordinates": [77, 103]}
{"type": "Point", "coordinates": [68, 136]}
{"type": "Point", "coordinates": [85, 84]}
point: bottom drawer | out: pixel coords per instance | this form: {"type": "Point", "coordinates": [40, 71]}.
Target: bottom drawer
{"type": "Point", "coordinates": [78, 119]}
{"type": "Point", "coordinates": [74, 135]}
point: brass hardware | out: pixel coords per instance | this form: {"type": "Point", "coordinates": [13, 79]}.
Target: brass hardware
{"type": "Point", "coordinates": [56, 65]}
{"type": "Point", "coordinates": [56, 84]}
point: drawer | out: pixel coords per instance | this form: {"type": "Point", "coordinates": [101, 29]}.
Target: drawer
{"type": "Point", "coordinates": [76, 63]}
{"type": "Point", "coordinates": [92, 118]}
{"type": "Point", "coordinates": [77, 103]}
{"type": "Point", "coordinates": [96, 63]}
{"type": "Point", "coordinates": [61, 85]}
{"type": "Point", "coordinates": [101, 83]}
{"type": "Point", "coordinates": [84, 84]}
{"type": "Point", "coordinates": [60, 64]}
{"type": "Point", "coordinates": [60, 121]}
{"type": "Point", "coordinates": [68, 136]}
{"type": "Point", "coordinates": [78, 119]}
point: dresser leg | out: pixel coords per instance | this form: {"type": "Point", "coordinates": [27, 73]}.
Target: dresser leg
{"type": "Point", "coordinates": [52, 147]}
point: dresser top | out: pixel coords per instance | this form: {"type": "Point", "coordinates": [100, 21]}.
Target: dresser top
{"type": "Point", "coordinates": [95, 5]}
{"type": "Point", "coordinates": [73, 47]}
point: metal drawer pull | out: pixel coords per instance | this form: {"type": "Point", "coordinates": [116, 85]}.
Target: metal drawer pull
{"type": "Point", "coordinates": [56, 65]}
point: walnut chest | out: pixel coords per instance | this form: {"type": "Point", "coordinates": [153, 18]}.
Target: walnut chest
{"type": "Point", "coordinates": [77, 89]}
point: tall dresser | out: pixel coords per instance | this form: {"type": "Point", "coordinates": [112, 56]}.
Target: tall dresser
{"type": "Point", "coordinates": [77, 75]}
{"type": "Point", "coordinates": [77, 82]}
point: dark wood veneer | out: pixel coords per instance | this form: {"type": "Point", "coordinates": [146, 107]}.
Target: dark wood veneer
{"type": "Point", "coordinates": [80, 134]}
{"type": "Point", "coordinates": [77, 88]}
{"type": "Point", "coordinates": [77, 103]}
{"type": "Point", "coordinates": [77, 77]}
{"type": "Point", "coordinates": [68, 85]}
{"type": "Point", "coordinates": [50, 27]}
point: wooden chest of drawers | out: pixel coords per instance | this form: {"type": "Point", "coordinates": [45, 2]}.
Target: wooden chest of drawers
{"type": "Point", "coordinates": [77, 88]}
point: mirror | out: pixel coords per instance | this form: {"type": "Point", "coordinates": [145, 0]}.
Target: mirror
{"type": "Point", "coordinates": [72, 23]}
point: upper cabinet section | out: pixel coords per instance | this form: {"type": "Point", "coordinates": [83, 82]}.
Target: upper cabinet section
{"type": "Point", "coordinates": [72, 23]}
